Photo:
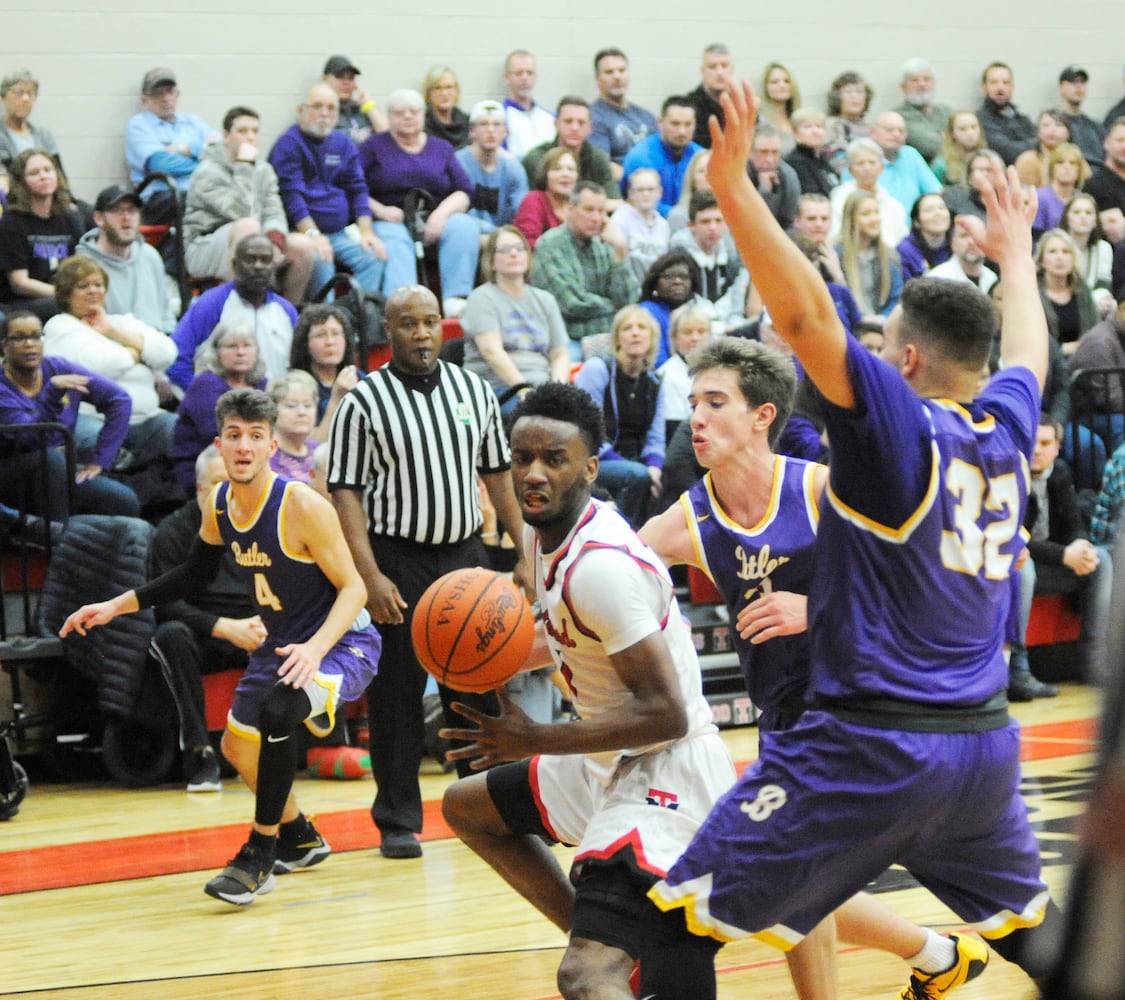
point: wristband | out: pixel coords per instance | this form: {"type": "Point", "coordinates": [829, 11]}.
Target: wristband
{"type": "Point", "coordinates": [366, 106]}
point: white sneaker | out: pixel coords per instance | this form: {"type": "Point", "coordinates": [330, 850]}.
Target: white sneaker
{"type": "Point", "coordinates": [453, 306]}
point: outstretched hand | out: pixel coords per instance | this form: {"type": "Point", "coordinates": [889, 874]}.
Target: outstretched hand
{"type": "Point", "coordinates": [87, 617]}
{"type": "Point", "coordinates": [730, 143]}
{"type": "Point", "coordinates": [509, 736]}
{"type": "Point", "coordinates": [1011, 211]}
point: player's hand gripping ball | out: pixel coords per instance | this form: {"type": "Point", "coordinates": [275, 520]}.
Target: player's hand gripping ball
{"type": "Point", "coordinates": [473, 630]}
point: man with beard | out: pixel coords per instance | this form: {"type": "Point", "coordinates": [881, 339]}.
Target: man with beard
{"type": "Point", "coordinates": [925, 118]}
{"type": "Point", "coordinates": [966, 262]}
{"type": "Point", "coordinates": [618, 123]}
{"type": "Point", "coordinates": [669, 151]}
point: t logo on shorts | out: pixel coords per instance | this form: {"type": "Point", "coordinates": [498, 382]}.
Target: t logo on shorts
{"type": "Point", "coordinates": [666, 800]}
{"type": "Point", "coordinates": [770, 798]}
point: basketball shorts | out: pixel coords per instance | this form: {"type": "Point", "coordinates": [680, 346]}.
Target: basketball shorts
{"type": "Point", "coordinates": [830, 805]}
{"type": "Point", "coordinates": [653, 804]}
{"type": "Point", "coordinates": [343, 676]}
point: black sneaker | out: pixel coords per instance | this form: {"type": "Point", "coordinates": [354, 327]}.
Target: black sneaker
{"type": "Point", "coordinates": [299, 846]}
{"type": "Point", "coordinates": [1023, 686]}
{"type": "Point", "coordinates": [249, 874]}
{"type": "Point", "coordinates": [202, 769]}
{"type": "Point", "coordinates": [398, 844]}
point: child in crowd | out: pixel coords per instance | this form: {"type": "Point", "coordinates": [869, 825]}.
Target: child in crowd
{"type": "Point", "coordinates": [640, 223]}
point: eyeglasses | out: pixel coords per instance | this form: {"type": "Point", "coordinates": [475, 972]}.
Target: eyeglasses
{"type": "Point", "coordinates": [511, 249]}
{"type": "Point", "coordinates": [24, 338]}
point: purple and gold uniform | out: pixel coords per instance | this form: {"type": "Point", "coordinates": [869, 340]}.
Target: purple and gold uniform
{"type": "Point", "coordinates": [746, 563]}
{"type": "Point", "coordinates": [293, 598]}
{"type": "Point", "coordinates": [908, 755]}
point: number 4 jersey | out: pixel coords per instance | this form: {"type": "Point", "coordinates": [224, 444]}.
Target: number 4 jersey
{"type": "Point", "coordinates": [918, 538]}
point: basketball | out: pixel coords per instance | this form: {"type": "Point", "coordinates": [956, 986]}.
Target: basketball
{"type": "Point", "coordinates": [472, 630]}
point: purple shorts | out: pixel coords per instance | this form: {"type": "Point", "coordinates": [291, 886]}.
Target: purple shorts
{"type": "Point", "coordinates": [831, 805]}
{"type": "Point", "coordinates": [344, 674]}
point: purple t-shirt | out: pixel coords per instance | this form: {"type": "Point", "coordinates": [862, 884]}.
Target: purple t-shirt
{"type": "Point", "coordinates": [391, 172]}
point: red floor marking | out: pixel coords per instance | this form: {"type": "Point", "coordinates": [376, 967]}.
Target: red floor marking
{"type": "Point", "coordinates": [209, 848]}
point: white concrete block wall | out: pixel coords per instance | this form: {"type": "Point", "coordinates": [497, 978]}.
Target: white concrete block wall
{"type": "Point", "coordinates": [90, 55]}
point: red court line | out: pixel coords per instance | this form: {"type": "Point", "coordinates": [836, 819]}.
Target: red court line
{"type": "Point", "coordinates": [122, 858]}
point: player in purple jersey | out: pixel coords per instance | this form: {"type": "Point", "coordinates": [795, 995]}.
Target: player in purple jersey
{"type": "Point", "coordinates": [907, 755]}
{"type": "Point", "coordinates": [320, 647]}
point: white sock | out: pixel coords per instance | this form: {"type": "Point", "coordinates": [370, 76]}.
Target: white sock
{"type": "Point", "coordinates": [937, 954]}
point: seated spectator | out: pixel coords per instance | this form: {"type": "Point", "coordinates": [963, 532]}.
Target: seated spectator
{"type": "Point", "coordinates": [866, 164]}
{"type": "Point", "coordinates": [965, 199]}
{"type": "Point", "coordinates": [1051, 132]}
{"type": "Point", "coordinates": [1064, 169]}
{"type": "Point", "coordinates": [638, 220]}
{"type": "Point", "coordinates": [247, 302]}
{"type": "Point", "coordinates": [234, 193]}
{"type": "Point", "coordinates": [572, 132]}
{"type": "Point", "coordinates": [1063, 561]}
{"type": "Point", "coordinates": [962, 138]}
{"type": "Point", "coordinates": [694, 180]}
{"type": "Point", "coordinates": [689, 327]}
{"type": "Point", "coordinates": [776, 181]}
{"type": "Point", "coordinates": [928, 242]}
{"type": "Point", "coordinates": [227, 360]}
{"type": "Point", "coordinates": [716, 75]}
{"type": "Point", "coordinates": [324, 194]}
{"type": "Point", "coordinates": [529, 123]}
{"type": "Point", "coordinates": [1108, 186]}
{"type": "Point", "coordinates": [498, 178]}
{"type": "Point", "coordinates": [160, 139]}
{"type": "Point", "coordinates": [359, 115]}
{"type": "Point", "coordinates": [19, 91]}
{"type": "Point", "coordinates": [137, 282]}
{"type": "Point", "coordinates": [672, 281]}
{"type": "Point", "coordinates": [1006, 130]}
{"type": "Point", "coordinates": [779, 99]}
{"type": "Point", "coordinates": [118, 347]}
{"type": "Point", "coordinates": [906, 175]}
{"type": "Point", "coordinates": [807, 157]}
{"type": "Point", "coordinates": [872, 337]}
{"type": "Point", "coordinates": [295, 396]}
{"type": "Point", "coordinates": [545, 207]}
{"type": "Point", "coordinates": [1102, 346]}
{"type": "Point", "coordinates": [871, 267]}
{"type": "Point", "coordinates": [669, 151]}
{"type": "Point", "coordinates": [828, 264]}
{"type": "Point", "coordinates": [215, 631]}
{"type": "Point", "coordinates": [35, 389]}
{"type": "Point", "coordinates": [38, 231]}
{"type": "Point", "coordinates": [1069, 304]}
{"type": "Point", "coordinates": [324, 346]}
{"type": "Point", "coordinates": [965, 263]}
{"type": "Point", "coordinates": [1085, 133]}
{"type": "Point", "coordinates": [925, 118]}
{"type": "Point", "coordinates": [444, 120]}
{"type": "Point", "coordinates": [849, 98]}
{"type": "Point", "coordinates": [814, 221]}
{"type": "Point", "coordinates": [1095, 256]}
{"type": "Point", "coordinates": [585, 266]}
{"type": "Point", "coordinates": [724, 282]}
{"type": "Point", "coordinates": [1106, 519]}
{"type": "Point", "coordinates": [632, 402]}
{"type": "Point", "coordinates": [402, 160]}
{"type": "Point", "coordinates": [514, 333]}
{"type": "Point", "coordinates": [618, 123]}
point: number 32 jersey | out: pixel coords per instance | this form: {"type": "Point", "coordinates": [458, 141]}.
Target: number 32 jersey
{"type": "Point", "coordinates": [918, 538]}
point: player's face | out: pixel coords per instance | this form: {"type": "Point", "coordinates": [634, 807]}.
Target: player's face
{"type": "Point", "coordinates": [720, 431]}
{"type": "Point", "coordinates": [246, 447]}
{"type": "Point", "coordinates": [414, 330]}
{"type": "Point", "coordinates": [1046, 449]}
{"type": "Point", "coordinates": [552, 471]}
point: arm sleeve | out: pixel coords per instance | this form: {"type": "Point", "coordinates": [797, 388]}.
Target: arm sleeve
{"type": "Point", "coordinates": [198, 570]}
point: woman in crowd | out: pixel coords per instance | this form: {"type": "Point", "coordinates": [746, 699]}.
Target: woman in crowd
{"type": "Point", "coordinates": [690, 326]}
{"type": "Point", "coordinates": [694, 180]}
{"type": "Point", "coordinates": [295, 396]}
{"type": "Point", "coordinates": [965, 198]}
{"type": "Point", "coordinates": [544, 207]}
{"type": "Point", "coordinates": [324, 346]}
{"type": "Point", "coordinates": [1065, 165]}
{"type": "Point", "coordinates": [444, 119]}
{"type": "Point", "coordinates": [928, 243]}
{"type": "Point", "coordinates": [807, 158]}
{"type": "Point", "coordinates": [39, 229]}
{"type": "Point", "coordinates": [514, 332]}
{"type": "Point", "coordinates": [632, 402]}
{"type": "Point", "coordinates": [1094, 258]}
{"type": "Point", "coordinates": [1052, 131]}
{"type": "Point", "coordinates": [866, 164]}
{"type": "Point", "coordinates": [849, 97]}
{"type": "Point", "coordinates": [963, 136]}
{"type": "Point", "coordinates": [227, 360]}
{"type": "Point", "coordinates": [119, 347]}
{"type": "Point", "coordinates": [1068, 302]}
{"type": "Point", "coordinates": [672, 281]}
{"type": "Point", "coordinates": [19, 91]}
{"type": "Point", "coordinates": [405, 159]}
{"type": "Point", "coordinates": [779, 99]}
{"type": "Point", "coordinates": [872, 269]}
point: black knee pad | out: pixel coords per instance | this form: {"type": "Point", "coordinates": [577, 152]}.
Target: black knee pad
{"type": "Point", "coordinates": [1033, 949]}
{"type": "Point", "coordinates": [674, 962]}
{"type": "Point", "coordinates": [283, 709]}
{"type": "Point", "coordinates": [609, 904]}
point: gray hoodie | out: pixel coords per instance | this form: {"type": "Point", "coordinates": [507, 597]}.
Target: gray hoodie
{"type": "Point", "coordinates": [137, 284]}
{"type": "Point", "coordinates": [221, 192]}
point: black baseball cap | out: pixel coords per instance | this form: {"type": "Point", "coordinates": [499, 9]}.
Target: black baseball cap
{"type": "Point", "coordinates": [338, 64]}
{"type": "Point", "coordinates": [113, 196]}
{"type": "Point", "coordinates": [1072, 73]}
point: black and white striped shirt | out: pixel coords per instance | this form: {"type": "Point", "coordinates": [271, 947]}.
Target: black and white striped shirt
{"type": "Point", "coordinates": [414, 447]}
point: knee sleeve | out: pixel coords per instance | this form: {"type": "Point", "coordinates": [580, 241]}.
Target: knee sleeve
{"type": "Point", "coordinates": [674, 962]}
{"type": "Point", "coordinates": [283, 709]}
{"type": "Point", "coordinates": [1033, 949]}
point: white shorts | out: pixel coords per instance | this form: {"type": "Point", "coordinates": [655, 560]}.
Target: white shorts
{"type": "Point", "coordinates": [653, 803]}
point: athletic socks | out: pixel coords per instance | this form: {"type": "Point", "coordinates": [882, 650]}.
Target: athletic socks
{"type": "Point", "coordinates": [937, 954]}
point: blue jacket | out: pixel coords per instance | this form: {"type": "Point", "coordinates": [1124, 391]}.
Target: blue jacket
{"type": "Point", "coordinates": [652, 152]}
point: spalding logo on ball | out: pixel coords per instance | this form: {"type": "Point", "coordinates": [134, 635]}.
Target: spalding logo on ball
{"type": "Point", "coordinates": [473, 629]}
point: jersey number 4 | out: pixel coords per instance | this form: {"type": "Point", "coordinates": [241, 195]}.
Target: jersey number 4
{"type": "Point", "coordinates": [971, 546]}
{"type": "Point", "coordinates": [262, 593]}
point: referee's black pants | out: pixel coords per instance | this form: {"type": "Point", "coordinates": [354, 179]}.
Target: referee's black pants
{"type": "Point", "coordinates": [394, 696]}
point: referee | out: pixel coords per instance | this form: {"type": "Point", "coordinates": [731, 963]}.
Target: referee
{"type": "Point", "coordinates": [405, 449]}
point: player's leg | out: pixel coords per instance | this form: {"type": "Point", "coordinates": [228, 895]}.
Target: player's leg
{"type": "Point", "coordinates": [495, 815]}
{"type": "Point", "coordinates": [812, 963]}
{"type": "Point", "coordinates": [673, 961]}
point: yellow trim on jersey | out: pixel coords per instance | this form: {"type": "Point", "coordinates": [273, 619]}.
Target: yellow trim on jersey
{"type": "Point", "coordinates": [693, 533]}
{"type": "Point", "coordinates": [257, 512]}
{"type": "Point", "coordinates": [771, 506]}
{"type": "Point", "coordinates": [986, 425]}
{"type": "Point", "coordinates": [281, 528]}
{"type": "Point", "coordinates": [812, 509]}
{"type": "Point", "coordinates": [331, 683]}
{"type": "Point", "coordinates": [902, 533]}
{"type": "Point", "coordinates": [1004, 922]}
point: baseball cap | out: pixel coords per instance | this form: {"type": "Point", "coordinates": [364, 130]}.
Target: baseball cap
{"type": "Point", "coordinates": [155, 78]}
{"type": "Point", "coordinates": [338, 64]}
{"type": "Point", "coordinates": [482, 108]}
{"type": "Point", "coordinates": [114, 195]}
{"type": "Point", "coordinates": [1072, 73]}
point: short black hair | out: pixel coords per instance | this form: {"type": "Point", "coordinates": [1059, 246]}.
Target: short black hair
{"type": "Point", "coordinates": [661, 264]}
{"type": "Point", "coordinates": [238, 111]}
{"type": "Point", "coordinates": [14, 314]}
{"type": "Point", "coordinates": [675, 101]}
{"type": "Point", "coordinates": [605, 54]}
{"type": "Point", "coordinates": [569, 404]}
{"type": "Point", "coordinates": [251, 405]}
{"type": "Point", "coordinates": [700, 202]}
{"type": "Point", "coordinates": [955, 318]}
{"type": "Point", "coordinates": [571, 100]}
